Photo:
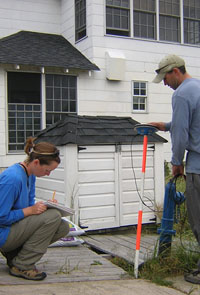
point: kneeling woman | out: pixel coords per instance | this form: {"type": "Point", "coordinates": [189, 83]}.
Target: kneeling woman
{"type": "Point", "coordinates": [27, 228]}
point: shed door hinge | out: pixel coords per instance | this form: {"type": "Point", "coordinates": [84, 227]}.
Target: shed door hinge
{"type": "Point", "coordinates": [81, 148]}
{"type": "Point", "coordinates": [118, 148]}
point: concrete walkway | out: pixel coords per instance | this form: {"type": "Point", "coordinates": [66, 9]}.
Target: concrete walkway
{"type": "Point", "coordinates": [78, 270]}
{"type": "Point", "coordinates": [115, 287]}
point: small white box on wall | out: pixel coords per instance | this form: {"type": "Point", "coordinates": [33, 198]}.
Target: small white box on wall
{"type": "Point", "coordinates": [115, 65]}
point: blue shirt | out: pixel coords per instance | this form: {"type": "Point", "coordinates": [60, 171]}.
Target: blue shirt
{"type": "Point", "coordinates": [17, 191]}
{"type": "Point", "coordinates": [185, 125]}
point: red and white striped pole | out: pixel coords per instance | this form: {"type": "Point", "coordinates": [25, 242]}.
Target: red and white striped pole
{"type": "Point", "coordinates": [139, 225]}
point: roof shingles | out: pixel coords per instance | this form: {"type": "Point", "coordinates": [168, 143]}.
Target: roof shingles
{"type": "Point", "coordinates": [87, 130]}
{"type": "Point", "coordinates": [40, 49]}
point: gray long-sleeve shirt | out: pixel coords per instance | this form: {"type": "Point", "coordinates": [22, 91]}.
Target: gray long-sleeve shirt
{"type": "Point", "coordinates": [185, 125]}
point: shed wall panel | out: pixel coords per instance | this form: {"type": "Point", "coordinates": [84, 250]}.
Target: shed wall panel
{"type": "Point", "coordinates": [109, 187]}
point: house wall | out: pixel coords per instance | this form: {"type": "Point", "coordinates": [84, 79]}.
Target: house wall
{"type": "Point", "coordinates": [104, 97]}
{"type": "Point", "coordinates": [30, 15]}
{"type": "Point", "coordinates": [96, 94]}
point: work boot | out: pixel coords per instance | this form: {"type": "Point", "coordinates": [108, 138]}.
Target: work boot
{"type": "Point", "coordinates": [32, 274]}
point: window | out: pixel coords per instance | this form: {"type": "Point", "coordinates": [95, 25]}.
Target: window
{"type": "Point", "coordinates": [25, 104]}
{"type": "Point", "coordinates": [118, 17]}
{"type": "Point", "coordinates": [169, 19]}
{"type": "Point", "coordinates": [24, 108]}
{"type": "Point", "coordinates": [175, 21]}
{"type": "Point", "coordinates": [191, 21]}
{"type": "Point", "coordinates": [61, 97]}
{"type": "Point", "coordinates": [144, 16]}
{"type": "Point", "coordinates": [80, 19]}
{"type": "Point", "coordinates": [139, 96]}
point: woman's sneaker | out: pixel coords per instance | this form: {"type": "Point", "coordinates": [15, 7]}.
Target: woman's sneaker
{"type": "Point", "coordinates": [32, 274]}
{"type": "Point", "coordinates": [193, 277]}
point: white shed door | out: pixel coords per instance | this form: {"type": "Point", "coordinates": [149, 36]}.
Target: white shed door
{"type": "Point", "coordinates": [130, 184]}
{"type": "Point", "coordinates": [108, 192]}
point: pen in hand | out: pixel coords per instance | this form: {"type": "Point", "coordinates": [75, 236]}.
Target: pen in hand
{"type": "Point", "coordinates": [53, 198]}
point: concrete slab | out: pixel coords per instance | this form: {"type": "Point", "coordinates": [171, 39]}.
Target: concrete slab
{"type": "Point", "coordinates": [128, 287]}
{"type": "Point", "coordinates": [187, 288]}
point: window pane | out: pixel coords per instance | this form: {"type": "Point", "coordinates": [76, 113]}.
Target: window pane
{"type": "Point", "coordinates": [23, 103]}
{"type": "Point", "coordinates": [80, 19]}
{"type": "Point", "coordinates": [139, 96]}
{"type": "Point", "coordinates": [192, 32]}
{"type": "Point", "coordinates": [64, 89]}
{"type": "Point", "coordinates": [23, 88]}
{"type": "Point", "coordinates": [49, 80]}
{"type": "Point", "coordinates": [57, 105]}
{"type": "Point", "coordinates": [169, 7]}
{"type": "Point", "coordinates": [144, 19]}
{"type": "Point", "coordinates": [169, 20]}
{"type": "Point", "coordinates": [148, 5]}
{"type": "Point", "coordinates": [191, 21]}
{"type": "Point", "coordinates": [49, 93]}
{"type": "Point", "coordinates": [65, 106]}
{"type": "Point", "coordinates": [118, 18]}
{"type": "Point", "coordinates": [169, 28]}
{"type": "Point", "coordinates": [49, 105]}
{"type": "Point", "coordinates": [57, 93]}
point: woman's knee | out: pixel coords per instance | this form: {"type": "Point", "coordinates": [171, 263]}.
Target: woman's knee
{"type": "Point", "coordinates": [52, 215]}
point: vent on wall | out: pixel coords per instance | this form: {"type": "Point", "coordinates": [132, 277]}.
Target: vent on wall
{"type": "Point", "coordinates": [115, 65]}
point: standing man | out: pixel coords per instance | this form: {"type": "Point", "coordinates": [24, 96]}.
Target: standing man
{"type": "Point", "coordinates": [184, 129]}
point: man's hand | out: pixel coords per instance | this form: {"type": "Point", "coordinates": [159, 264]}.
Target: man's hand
{"type": "Point", "coordinates": [177, 170]}
{"type": "Point", "coordinates": [159, 125]}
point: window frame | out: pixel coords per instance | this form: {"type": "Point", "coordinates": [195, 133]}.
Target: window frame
{"type": "Point", "coordinates": [178, 22]}
{"type": "Point", "coordinates": [118, 31]}
{"type": "Point", "coordinates": [191, 20]}
{"type": "Point", "coordinates": [80, 29]}
{"type": "Point", "coordinates": [55, 113]}
{"type": "Point", "coordinates": [140, 11]}
{"type": "Point", "coordinates": [140, 96]}
{"type": "Point", "coordinates": [22, 111]}
{"type": "Point", "coordinates": [170, 18]}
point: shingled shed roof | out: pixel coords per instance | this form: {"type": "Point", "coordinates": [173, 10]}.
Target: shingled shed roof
{"type": "Point", "coordinates": [90, 130]}
{"type": "Point", "coordinates": [44, 50]}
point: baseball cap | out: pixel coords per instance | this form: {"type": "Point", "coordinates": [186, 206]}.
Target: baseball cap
{"type": "Point", "coordinates": [167, 64]}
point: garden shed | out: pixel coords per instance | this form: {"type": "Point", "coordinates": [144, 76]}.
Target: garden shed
{"type": "Point", "coordinates": [100, 171]}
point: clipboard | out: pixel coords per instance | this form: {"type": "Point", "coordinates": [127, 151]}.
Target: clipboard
{"type": "Point", "coordinates": [65, 211]}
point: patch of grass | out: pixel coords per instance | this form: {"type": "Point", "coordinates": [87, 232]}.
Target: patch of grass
{"type": "Point", "coordinates": [129, 268]}
{"type": "Point", "coordinates": [176, 262]}
{"type": "Point", "coordinates": [96, 262]}
{"type": "Point", "coordinates": [180, 258]}
{"type": "Point", "coordinates": [159, 269]}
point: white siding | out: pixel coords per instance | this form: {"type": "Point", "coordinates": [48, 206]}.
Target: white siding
{"type": "Point", "coordinates": [109, 186]}
{"type": "Point", "coordinates": [98, 187]}
{"type": "Point", "coordinates": [30, 15]}
{"type": "Point", "coordinates": [96, 94]}
{"type": "Point", "coordinates": [68, 20]}
{"type": "Point", "coordinates": [130, 179]}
